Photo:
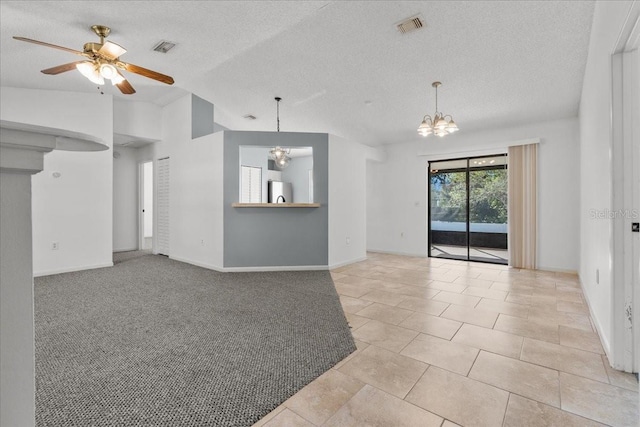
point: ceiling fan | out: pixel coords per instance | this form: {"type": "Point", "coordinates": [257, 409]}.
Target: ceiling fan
{"type": "Point", "coordinates": [102, 62]}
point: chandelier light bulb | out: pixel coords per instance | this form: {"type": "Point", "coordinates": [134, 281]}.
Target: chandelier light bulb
{"type": "Point", "coordinates": [277, 153]}
{"type": "Point", "coordinates": [425, 128]}
{"type": "Point", "coordinates": [283, 162]}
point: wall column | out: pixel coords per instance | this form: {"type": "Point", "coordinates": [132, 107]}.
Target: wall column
{"type": "Point", "coordinates": [21, 155]}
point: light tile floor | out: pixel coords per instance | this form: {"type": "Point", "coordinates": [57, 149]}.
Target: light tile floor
{"type": "Point", "coordinates": [446, 343]}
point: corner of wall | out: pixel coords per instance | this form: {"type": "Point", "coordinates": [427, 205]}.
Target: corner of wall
{"type": "Point", "coordinates": [347, 201]}
{"type": "Point", "coordinates": [72, 208]}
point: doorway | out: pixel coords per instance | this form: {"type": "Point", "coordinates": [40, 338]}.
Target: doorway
{"type": "Point", "coordinates": [146, 206]}
{"type": "Point", "coordinates": [467, 215]}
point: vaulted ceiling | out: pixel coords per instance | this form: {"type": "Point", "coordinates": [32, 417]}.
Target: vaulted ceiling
{"type": "Point", "coordinates": [340, 67]}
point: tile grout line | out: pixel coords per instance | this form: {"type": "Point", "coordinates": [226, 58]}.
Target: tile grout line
{"type": "Point", "coordinates": [506, 408]}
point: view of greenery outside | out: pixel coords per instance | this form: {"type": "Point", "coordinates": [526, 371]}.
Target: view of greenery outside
{"type": "Point", "coordinates": [487, 196]}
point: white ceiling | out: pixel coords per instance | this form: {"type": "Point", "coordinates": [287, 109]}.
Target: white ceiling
{"type": "Point", "coordinates": [341, 67]}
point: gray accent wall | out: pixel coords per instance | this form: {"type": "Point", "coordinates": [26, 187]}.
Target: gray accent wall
{"type": "Point", "coordinates": [201, 117]}
{"type": "Point", "coordinates": [274, 237]}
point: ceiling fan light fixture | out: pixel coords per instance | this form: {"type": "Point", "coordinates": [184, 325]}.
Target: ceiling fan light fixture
{"type": "Point", "coordinates": [108, 71]}
{"type": "Point", "coordinates": [101, 63]}
{"type": "Point", "coordinates": [90, 71]}
{"type": "Point", "coordinates": [117, 79]}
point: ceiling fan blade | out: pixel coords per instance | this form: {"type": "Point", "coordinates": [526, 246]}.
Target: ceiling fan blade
{"type": "Point", "coordinates": [126, 88]}
{"type": "Point", "coordinates": [62, 68]}
{"type": "Point", "coordinates": [147, 73]}
{"type": "Point", "coordinates": [111, 50]}
{"type": "Point", "coordinates": [24, 39]}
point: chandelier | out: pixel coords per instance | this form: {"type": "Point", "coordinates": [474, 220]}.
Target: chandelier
{"type": "Point", "coordinates": [278, 154]}
{"type": "Point", "coordinates": [438, 124]}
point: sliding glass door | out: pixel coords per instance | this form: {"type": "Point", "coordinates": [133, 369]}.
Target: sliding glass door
{"type": "Point", "coordinates": [467, 216]}
{"type": "Point", "coordinates": [448, 209]}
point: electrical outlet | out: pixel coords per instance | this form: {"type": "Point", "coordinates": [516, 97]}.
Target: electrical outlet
{"type": "Point", "coordinates": [348, 241]}
{"type": "Point", "coordinates": [202, 242]}
{"type": "Point", "coordinates": [55, 246]}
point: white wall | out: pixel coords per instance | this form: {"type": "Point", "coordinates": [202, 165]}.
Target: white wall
{"type": "Point", "coordinates": [75, 209]}
{"type": "Point", "coordinates": [145, 153]}
{"type": "Point", "coordinates": [347, 201]}
{"type": "Point", "coordinates": [595, 160]}
{"type": "Point", "coordinates": [196, 168]}
{"type": "Point", "coordinates": [125, 200]}
{"type": "Point", "coordinates": [397, 189]}
{"type": "Point", "coordinates": [140, 119]}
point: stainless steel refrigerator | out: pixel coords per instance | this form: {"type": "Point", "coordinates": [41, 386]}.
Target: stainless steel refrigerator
{"type": "Point", "coordinates": [280, 192]}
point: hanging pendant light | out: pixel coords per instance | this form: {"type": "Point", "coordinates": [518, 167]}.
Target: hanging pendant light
{"type": "Point", "coordinates": [439, 124]}
{"type": "Point", "coordinates": [278, 154]}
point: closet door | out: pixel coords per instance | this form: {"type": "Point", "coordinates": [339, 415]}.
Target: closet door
{"type": "Point", "coordinates": [163, 206]}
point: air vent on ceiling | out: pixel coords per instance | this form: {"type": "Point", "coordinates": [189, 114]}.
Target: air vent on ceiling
{"type": "Point", "coordinates": [249, 117]}
{"type": "Point", "coordinates": [410, 24]}
{"type": "Point", "coordinates": [164, 46]}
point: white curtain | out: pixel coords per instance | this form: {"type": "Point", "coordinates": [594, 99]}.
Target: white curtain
{"type": "Point", "coordinates": [523, 195]}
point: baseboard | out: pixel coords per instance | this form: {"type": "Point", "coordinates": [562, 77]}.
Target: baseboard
{"type": "Point", "coordinates": [135, 248]}
{"type": "Point", "coordinates": [342, 264]}
{"type": "Point", "coordinates": [197, 263]}
{"type": "Point", "coordinates": [379, 251]}
{"type": "Point", "coordinates": [603, 340]}
{"type": "Point", "coordinates": [71, 269]}
{"type": "Point", "coordinates": [251, 269]}
{"type": "Point", "coordinates": [276, 268]}
{"type": "Point", "coordinates": [556, 270]}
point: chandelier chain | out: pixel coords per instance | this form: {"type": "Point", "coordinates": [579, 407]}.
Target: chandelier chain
{"type": "Point", "coordinates": [278, 99]}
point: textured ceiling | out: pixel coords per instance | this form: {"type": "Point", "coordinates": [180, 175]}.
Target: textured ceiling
{"type": "Point", "coordinates": [340, 67]}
